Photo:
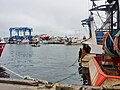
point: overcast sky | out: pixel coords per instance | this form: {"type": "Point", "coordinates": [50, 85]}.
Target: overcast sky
{"type": "Point", "coordinates": [53, 17]}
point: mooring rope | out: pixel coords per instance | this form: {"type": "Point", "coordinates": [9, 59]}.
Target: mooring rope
{"type": "Point", "coordinates": [22, 77]}
{"type": "Point", "coordinates": [13, 72]}
{"type": "Point", "coordinates": [66, 77]}
{"type": "Point", "coordinates": [74, 62]}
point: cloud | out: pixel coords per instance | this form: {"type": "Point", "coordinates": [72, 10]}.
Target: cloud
{"type": "Point", "coordinates": [57, 17]}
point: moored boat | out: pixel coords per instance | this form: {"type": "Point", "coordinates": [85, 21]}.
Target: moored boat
{"type": "Point", "coordinates": [3, 73]}
{"type": "Point", "coordinates": [104, 73]}
{"type": "Point", "coordinates": [2, 45]}
{"type": "Point", "coordinates": [104, 67]}
{"type": "Point", "coordinates": [35, 45]}
{"type": "Point", "coordinates": [19, 42]}
{"type": "Point", "coordinates": [25, 41]}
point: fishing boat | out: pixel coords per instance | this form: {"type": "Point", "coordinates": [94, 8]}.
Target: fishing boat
{"type": "Point", "coordinates": [3, 73]}
{"type": "Point", "coordinates": [104, 67]}
{"type": "Point", "coordinates": [2, 45]}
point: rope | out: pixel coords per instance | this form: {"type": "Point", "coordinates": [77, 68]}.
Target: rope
{"type": "Point", "coordinates": [67, 77]}
{"type": "Point", "coordinates": [22, 77]}
{"type": "Point", "coordinates": [70, 74]}
{"type": "Point", "coordinates": [13, 72]}
{"type": "Point", "coordinates": [74, 62]}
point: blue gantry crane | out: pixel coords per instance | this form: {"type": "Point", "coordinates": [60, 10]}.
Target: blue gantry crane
{"type": "Point", "coordinates": [18, 30]}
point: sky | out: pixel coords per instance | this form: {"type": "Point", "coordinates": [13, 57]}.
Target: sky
{"type": "Point", "coordinates": [52, 17]}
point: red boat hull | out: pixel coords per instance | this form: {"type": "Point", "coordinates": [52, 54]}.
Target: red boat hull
{"type": "Point", "coordinates": [2, 45]}
{"type": "Point", "coordinates": [104, 76]}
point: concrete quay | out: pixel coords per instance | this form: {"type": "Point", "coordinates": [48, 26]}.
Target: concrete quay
{"type": "Point", "coordinates": [15, 84]}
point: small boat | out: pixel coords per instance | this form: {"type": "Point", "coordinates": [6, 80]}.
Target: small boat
{"type": "Point", "coordinates": [68, 41]}
{"type": "Point", "coordinates": [35, 45]}
{"type": "Point", "coordinates": [19, 42]}
{"type": "Point", "coordinates": [25, 41]}
{"type": "Point", "coordinates": [44, 42]}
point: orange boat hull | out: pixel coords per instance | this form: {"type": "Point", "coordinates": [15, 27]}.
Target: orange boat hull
{"type": "Point", "coordinates": [98, 77]}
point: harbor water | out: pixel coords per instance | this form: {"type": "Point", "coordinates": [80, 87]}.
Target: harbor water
{"type": "Point", "coordinates": [49, 62]}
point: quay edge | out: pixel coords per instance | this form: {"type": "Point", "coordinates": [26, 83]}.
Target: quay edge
{"type": "Point", "coordinates": [15, 84]}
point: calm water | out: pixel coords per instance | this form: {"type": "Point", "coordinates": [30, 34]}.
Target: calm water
{"type": "Point", "coordinates": [48, 62]}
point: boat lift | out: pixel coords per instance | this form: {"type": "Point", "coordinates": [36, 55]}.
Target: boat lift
{"type": "Point", "coordinates": [18, 30]}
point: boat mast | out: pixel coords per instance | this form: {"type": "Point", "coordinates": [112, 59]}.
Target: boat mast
{"type": "Point", "coordinates": [113, 11]}
{"type": "Point", "coordinates": [115, 7]}
{"type": "Point", "coordinates": [118, 14]}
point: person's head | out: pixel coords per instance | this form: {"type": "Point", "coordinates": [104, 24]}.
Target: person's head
{"type": "Point", "coordinates": [87, 48]}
